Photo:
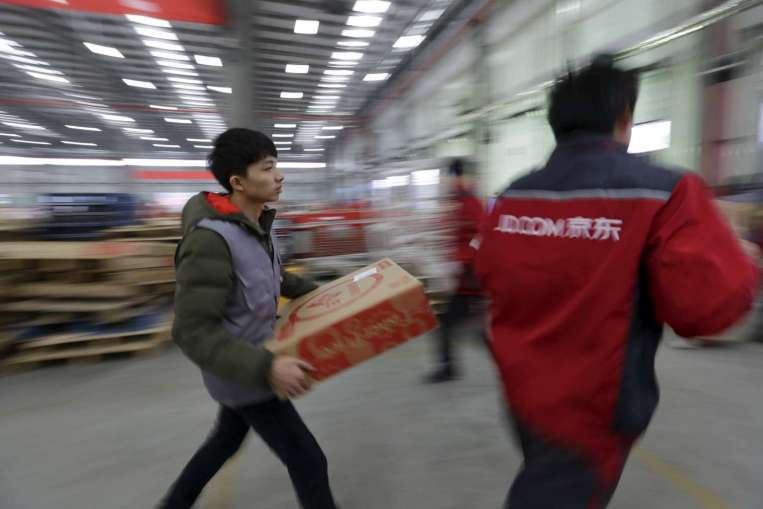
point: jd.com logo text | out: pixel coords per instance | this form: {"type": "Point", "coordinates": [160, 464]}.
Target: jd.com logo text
{"type": "Point", "coordinates": [572, 228]}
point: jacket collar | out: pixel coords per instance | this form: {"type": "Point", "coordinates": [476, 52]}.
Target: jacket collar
{"type": "Point", "coordinates": [222, 204]}
{"type": "Point", "coordinates": [581, 140]}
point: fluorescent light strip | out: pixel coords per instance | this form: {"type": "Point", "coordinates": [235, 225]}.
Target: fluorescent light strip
{"type": "Point", "coordinates": [24, 126]}
{"type": "Point", "coordinates": [157, 107]}
{"type": "Point", "coordinates": [178, 120]}
{"type": "Point", "coordinates": [100, 49]}
{"type": "Point", "coordinates": [80, 143]}
{"type": "Point", "coordinates": [179, 72]}
{"type": "Point", "coordinates": [31, 142]}
{"type": "Point", "coordinates": [364, 21]}
{"type": "Point", "coordinates": [146, 20]}
{"type": "Point", "coordinates": [284, 126]}
{"type": "Point", "coordinates": [45, 70]}
{"type": "Point", "coordinates": [199, 140]}
{"type": "Point", "coordinates": [183, 86]}
{"type": "Point", "coordinates": [139, 84]}
{"type": "Point", "coordinates": [222, 90]}
{"type": "Point", "coordinates": [338, 72]}
{"type": "Point", "coordinates": [49, 77]}
{"type": "Point", "coordinates": [306, 26]}
{"type": "Point", "coordinates": [164, 145]}
{"type": "Point", "coordinates": [138, 131]}
{"type": "Point", "coordinates": [352, 44]}
{"type": "Point", "coordinates": [207, 60]}
{"type": "Point", "coordinates": [117, 118]}
{"type": "Point", "coordinates": [174, 65]}
{"type": "Point", "coordinates": [153, 138]}
{"type": "Point", "coordinates": [82, 128]}
{"type": "Point", "coordinates": [24, 60]}
{"type": "Point", "coordinates": [10, 135]}
{"type": "Point", "coordinates": [358, 32]}
{"type": "Point", "coordinates": [169, 46]}
{"type": "Point", "coordinates": [190, 81]}
{"type": "Point", "coordinates": [408, 41]}
{"type": "Point", "coordinates": [371, 6]}
{"type": "Point", "coordinates": [297, 68]}
{"type": "Point", "coordinates": [156, 33]}
{"type": "Point", "coordinates": [203, 146]}
{"type": "Point", "coordinates": [169, 55]}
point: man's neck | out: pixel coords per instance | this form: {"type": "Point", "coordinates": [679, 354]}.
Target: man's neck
{"type": "Point", "coordinates": [251, 210]}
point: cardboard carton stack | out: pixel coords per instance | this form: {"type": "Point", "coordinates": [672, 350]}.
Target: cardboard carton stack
{"type": "Point", "coordinates": [64, 300]}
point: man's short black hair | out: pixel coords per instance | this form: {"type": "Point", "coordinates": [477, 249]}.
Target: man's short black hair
{"type": "Point", "coordinates": [592, 99]}
{"type": "Point", "coordinates": [235, 149]}
{"type": "Point", "coordinates": [456, 168]}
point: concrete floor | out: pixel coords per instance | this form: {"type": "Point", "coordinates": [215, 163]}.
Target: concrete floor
{"type": "Point", "coordinates": [114, 435]}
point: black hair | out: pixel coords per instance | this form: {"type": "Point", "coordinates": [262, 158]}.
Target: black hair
{"type": "Point", "coordinates": [456, 168]}
{"type": "Point", "coordinates": [592, 99]}
{"type": "Point", "coordinates": [235, 149]}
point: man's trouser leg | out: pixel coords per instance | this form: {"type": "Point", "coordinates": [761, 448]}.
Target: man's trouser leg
{"type": "Point", "coordinates": [283, 430]}
{"type": "Point", "coordinates": [223, 442]}
{"type": "Point", "coordinates": [554, 478]}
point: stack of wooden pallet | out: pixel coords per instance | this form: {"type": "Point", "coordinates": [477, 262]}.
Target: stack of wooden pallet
{"type": "Point", "coordinates": [66, 300]}
{"type": "Point", "coordinates": [160, 230]}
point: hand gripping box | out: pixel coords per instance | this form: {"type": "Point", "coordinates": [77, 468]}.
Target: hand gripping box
{"type": "Point", "coordinates": [354, 318]}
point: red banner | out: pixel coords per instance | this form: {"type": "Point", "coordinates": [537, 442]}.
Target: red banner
{"type": "Point", "coordinates": [172, 175]}
{"type": "Point", "coordinates": [210, 12]}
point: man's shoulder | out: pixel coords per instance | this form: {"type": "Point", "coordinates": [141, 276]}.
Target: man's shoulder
{"type": "Point", "coordinates": [204, 242]}
{"type": "Point", "coordinates": [606, 171]}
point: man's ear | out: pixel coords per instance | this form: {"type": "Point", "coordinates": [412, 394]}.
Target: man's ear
{"type": "Point", "coordinates": [235, 183]}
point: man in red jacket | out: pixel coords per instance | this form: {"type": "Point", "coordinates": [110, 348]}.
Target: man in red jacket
{"type": "Point", "coordinates": [584, 261]}
{"type": "Point", "coordinates": [466, 220]}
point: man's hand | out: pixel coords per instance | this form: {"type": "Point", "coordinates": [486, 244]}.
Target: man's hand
{"type": "Point", "coordinates": [752, 250]}
{"type": "Point", "coordinates": [290, 377]}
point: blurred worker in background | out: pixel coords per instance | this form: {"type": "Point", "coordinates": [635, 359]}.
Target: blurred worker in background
{"type": "Point", "coordinates": [584, 260]}
{"type": "Point", "coordinates": [468, 214]}
{"type": "Point", "coordinates": [229, 279]}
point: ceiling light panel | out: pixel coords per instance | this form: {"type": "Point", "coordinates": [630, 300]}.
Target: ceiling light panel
{"type": "Point", "coordinates": [358, 33]}
{"type": "Point", "coordinates": [156, 33]}
{"type": "Point", "coordinates": [306, 26]}
{"type": "Point", "coordinates": [146, 20]}
{"type": "Point", "coordinates": [297, 68]}
{"type": "Point", "coordinates": [99, 49]}
{"type": "Point", "coordinates": [207, 60]}
{"type": "Point", "coordinates": [364, 21]}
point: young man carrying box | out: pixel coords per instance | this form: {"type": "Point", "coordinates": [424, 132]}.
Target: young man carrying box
{"type": "Point", "coordinates": [229, 279]}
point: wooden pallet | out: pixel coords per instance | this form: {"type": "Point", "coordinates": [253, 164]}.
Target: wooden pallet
{"type": "Point", "coordinates": [71, 347]}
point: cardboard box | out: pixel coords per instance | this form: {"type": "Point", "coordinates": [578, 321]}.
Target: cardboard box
{"type": "Point", "coordinates": [354, 318]}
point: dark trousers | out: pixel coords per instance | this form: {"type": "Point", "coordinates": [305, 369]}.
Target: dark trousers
{"type": "Point", "coordinates": [554, 478]}
{"type": "Point", "coordinates": [458, 310]}
{"type": "Point", "coordinates": [280, 426]}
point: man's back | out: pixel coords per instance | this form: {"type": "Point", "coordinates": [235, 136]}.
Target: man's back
{"type": "Point", "coordinates": [584, 260]}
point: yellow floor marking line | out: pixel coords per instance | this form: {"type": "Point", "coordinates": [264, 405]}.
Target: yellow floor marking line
{"type": "Point", "coordinates": [706, 498]}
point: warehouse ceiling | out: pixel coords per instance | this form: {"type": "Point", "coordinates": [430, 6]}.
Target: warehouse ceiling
{"type": "Point", "coordinates": [84, 84]}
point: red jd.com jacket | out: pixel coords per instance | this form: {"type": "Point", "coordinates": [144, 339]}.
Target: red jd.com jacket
{"type": "Point", "coordinates": [466, 221]}
{"type": "Point", "coordinates": [584, 260]}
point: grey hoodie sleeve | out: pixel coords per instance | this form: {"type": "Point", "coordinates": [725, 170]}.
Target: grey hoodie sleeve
{"type": "Point", "coordinates": [205, 279]}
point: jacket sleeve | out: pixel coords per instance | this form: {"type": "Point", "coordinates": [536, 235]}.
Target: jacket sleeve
{"type": "Point", "coordinates": [701, 280]}
{"type": "Point", "coordinates": [205, 280]}
{"type": "Point", "coordinates": [294, 286]}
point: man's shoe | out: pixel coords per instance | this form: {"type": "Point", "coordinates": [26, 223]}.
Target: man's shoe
{"type": "Point", "coordinates": [445, 374]}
